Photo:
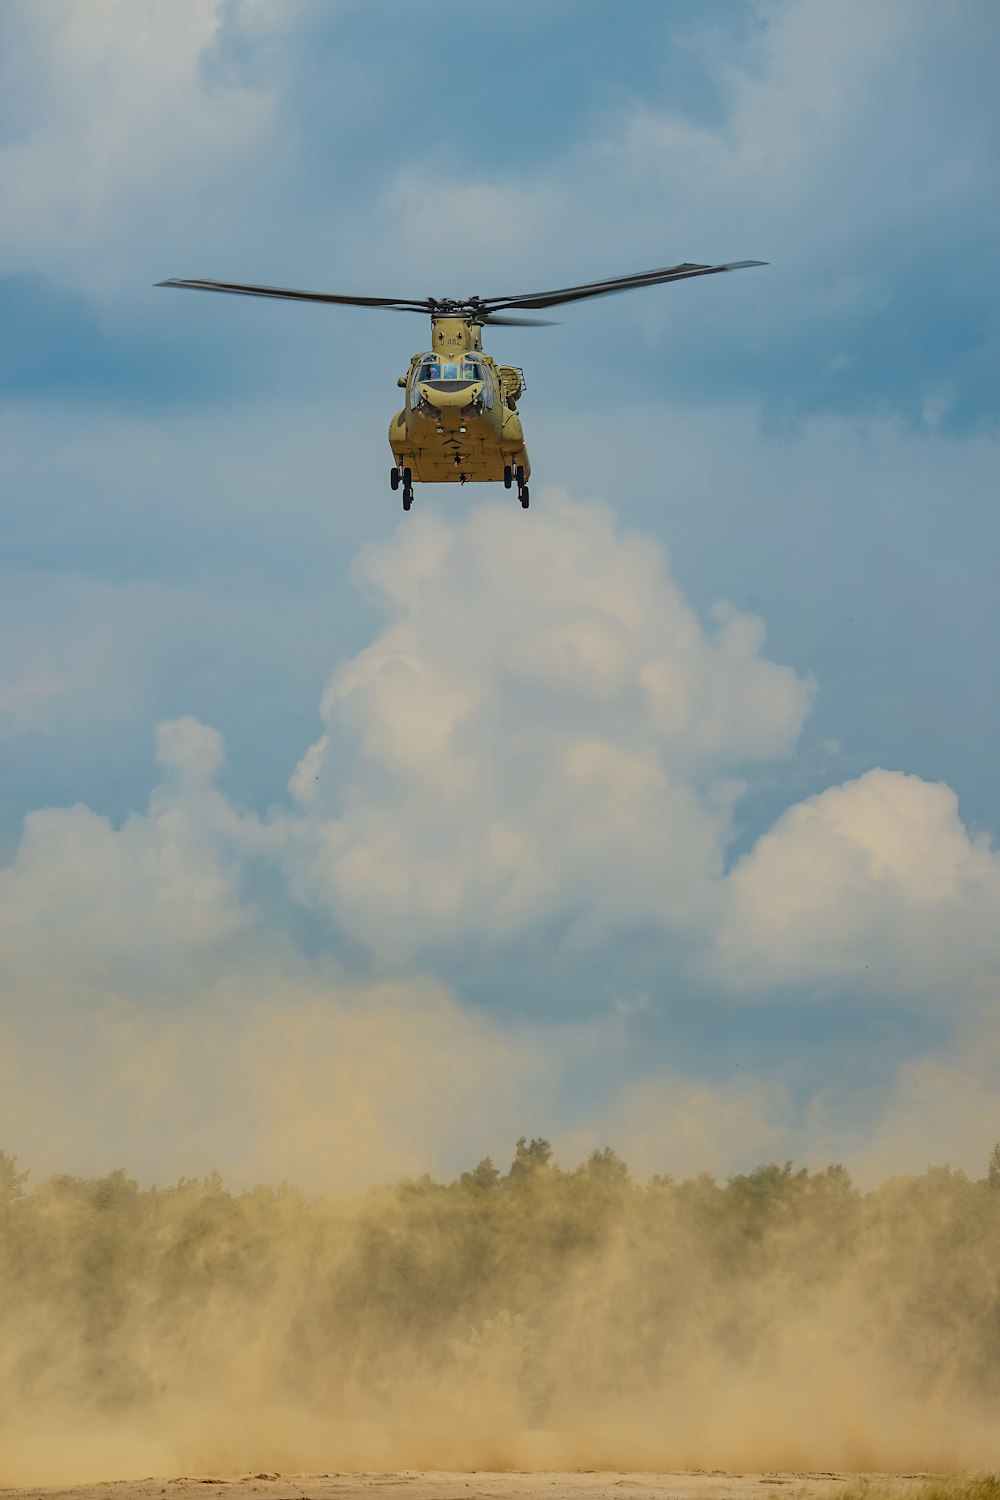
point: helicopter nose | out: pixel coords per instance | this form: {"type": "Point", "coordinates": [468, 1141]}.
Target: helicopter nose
{"type": "Point", "coordinates": [462, 395]}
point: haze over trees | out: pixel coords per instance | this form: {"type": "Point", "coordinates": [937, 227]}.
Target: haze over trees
{"type": "Point", "coordinates": [784, 1318]}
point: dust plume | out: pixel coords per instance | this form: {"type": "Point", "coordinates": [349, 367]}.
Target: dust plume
{"type": "Point", "coordinates": [533, 1317]}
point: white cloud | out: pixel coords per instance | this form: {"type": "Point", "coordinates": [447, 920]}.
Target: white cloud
{"type": "Point", "coordinates": [124, 909]}
{"type": "Point", "coordinates": [849, 146]}
{"type": "Point", "coordinates": [544, 729]}
{"type": "Point", "coordinates": [877, 881]}
{"type": "Point", "coordinates": [545, 726]}
{"type": "Point", "coordinates": [115, 134]}
{"type": "Point", "coordinates": [818, 98]}
{"type": "Point", "coordinates": [152, 1014]}
{"type": "Point", "coordinates": [192, 749]}
{"type": "Point", "coordinates": [935, 1107]}
{"type": "Point", "coordinates": [23, 702]}
{"type": "Point", "coordinates": [135, 140]}
{"type": "Point", "coordinates": [941, 1108]}
{"type": "Point", "coordinates": [510, 220]}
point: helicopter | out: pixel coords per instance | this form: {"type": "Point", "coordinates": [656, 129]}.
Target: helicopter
{"type": "Point", "coordinates": [460, 421]}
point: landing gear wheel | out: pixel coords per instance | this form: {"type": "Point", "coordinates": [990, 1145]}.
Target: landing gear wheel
{"type": "Point", "coordinates": [523, 497]}
{"type": "Point", "coordinates": [519, 476]}
{"type": "Point", "coordinates": [407, 498]}
{"type": "Point", "coordinates": [407, 479]}
{"type": "Point", "coordinates": [394, 479]}
{"type": "Point", "coordinates": [508, 476]}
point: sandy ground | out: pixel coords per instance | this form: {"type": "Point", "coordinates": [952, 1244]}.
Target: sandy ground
{"type": "Point", "coordinates": [480, 1485]}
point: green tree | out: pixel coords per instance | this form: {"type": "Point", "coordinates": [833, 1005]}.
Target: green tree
{"type": "Point", "coordinates": [530, 1157]}
{"type": "Point", "coordinates": [993, 1169]}
{"type": "Point", "coordinates": [606, 1166]}
{"type": "Point", "coordinates": [485, 1175]}
{"type": "Point", "coordinates": [11, 1180]}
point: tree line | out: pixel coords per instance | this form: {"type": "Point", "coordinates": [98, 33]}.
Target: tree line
{"type": "Point", "coordinates": [553, 1292]}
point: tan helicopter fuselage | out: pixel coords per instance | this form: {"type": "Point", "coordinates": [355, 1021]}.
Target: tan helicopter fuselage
{"type": "Point", "coordinates": [463, 427]}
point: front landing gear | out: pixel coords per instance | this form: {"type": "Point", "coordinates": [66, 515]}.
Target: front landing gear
{"type": "Point", "coordinates": [402, 477]}
{"type": "Point", "coordinates": [522, 486]}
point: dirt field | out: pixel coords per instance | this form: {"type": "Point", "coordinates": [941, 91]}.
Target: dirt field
{"type": "Point", "coordinates": [481, 1485]}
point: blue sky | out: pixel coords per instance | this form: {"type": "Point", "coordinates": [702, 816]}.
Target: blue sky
{"type": "Point", "coordinates": [662, 814]}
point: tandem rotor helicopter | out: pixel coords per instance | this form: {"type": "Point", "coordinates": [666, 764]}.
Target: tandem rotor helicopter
{"type": "Point", "coordinates": [460, 420]}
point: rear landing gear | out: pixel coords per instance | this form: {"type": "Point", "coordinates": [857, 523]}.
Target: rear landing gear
{"type": "Point", "coordinates": [522, 486]}
{"type": "Point", "coordinates": [508, 476]}
{"type": "Point", "coordinates": [523, 497]}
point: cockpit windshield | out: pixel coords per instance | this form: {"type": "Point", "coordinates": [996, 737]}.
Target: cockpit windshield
{"type": "Point", "coordinates": [449, 373]}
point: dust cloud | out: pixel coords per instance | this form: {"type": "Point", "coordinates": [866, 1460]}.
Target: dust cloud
{"type": "Point", "coordinates": [531, 1317]}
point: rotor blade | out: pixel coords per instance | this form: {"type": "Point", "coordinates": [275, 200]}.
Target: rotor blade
{"type": "Point", "coordinates": [500, 320]}
{"type": "Point", "coordinates": [616, 284]}
{"type": "Point", "coordinates": [290, 295]}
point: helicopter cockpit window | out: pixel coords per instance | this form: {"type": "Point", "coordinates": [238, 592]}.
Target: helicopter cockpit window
{"type": "Point", "coordinates": [449, 374]}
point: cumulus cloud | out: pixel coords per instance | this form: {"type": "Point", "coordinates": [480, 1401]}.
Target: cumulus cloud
{"type": "Point", "coordinates": [191, 749]}
{"type": "Point", "coordinates": [152, 1011]}
{"type": "Point", "coordinates": [116, 128]}
{"type": "Point", "coordinates": [512, 219]}
{"type": "Point", "coordinates": [543, 729]}
{"type": "Point", "coordinates": [813, 101]}
{"type": "Point", "coordinates": [125, 907]}
{"type": "Point", "coordinates": [852, 150]}
{"type": "Point", "coordinates": [875, 880]}
{"type": "Point", "coordinates": [941, 1107]}
{"type": "Point", "coordinates": [544, 726]}
{"type": "Point", "coordinates": [23, 703]}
